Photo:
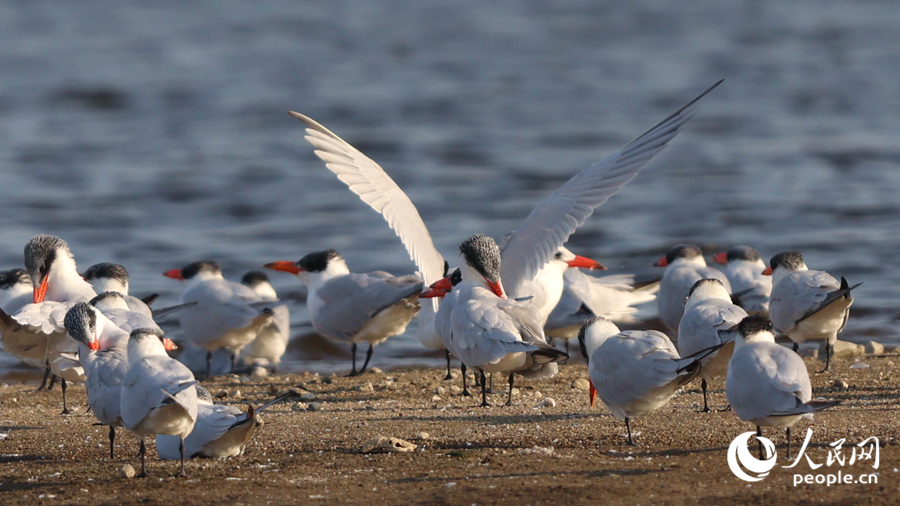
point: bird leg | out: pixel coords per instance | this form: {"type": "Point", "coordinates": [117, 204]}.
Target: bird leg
{"type": "Point", "coordinates": [509, 401]}
{"type": "Point", "coordinates": [65, 410]}
{"type": "Point", "coordinates": [628, 428]}
{"type": "Point", "coordinates": [490, 388]}
{"type": "Point", "coordinates": [234, 361]}
{"type": "Point", "coordinates": [789, 442]}
{"type": "Point", "coordinates": [465, 392]}
{"type": "Point", "coordinates": [181, 449]}
{"type": "Point", "coordinates": [484, 402]}
{"type": "Point", "coordinates": [759, 441]}
{"type": "Point", "coordinates": [112, 442]}
{"type": "Point", "coordinates": [353, 351]}
{"type": "Point", "coordinates": [449, 376]}
{"type": "Point", "coordinates": [368, 357]}
{"type": "Point", "coordinates": [143, 459]}
{"type": "Point", "coordinates": [208, 363]}
{"type": "Point", "coordinates": [828, 349]}
{"type": "Point", "coordinates": [796, 347]}
{"type": "Point", "coordinates": [705, 405]}
{"type": "Point", "coordinates": [53, 379]}
{"type": "Point", "coordinates": [44, 381]}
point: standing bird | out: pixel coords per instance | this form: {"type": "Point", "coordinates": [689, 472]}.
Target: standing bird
{"type": "Point", "coordinates": [226, 314]}
{"type": "Point", "coordinates": [536, 241]}
{"type": "Point", "coordinates": [158, 393]}
{"type": "Point", "coordinates": [486, 330]}
{"type": "Point", "coordinates": [353, 307]}
{"type": "Point", "coordinates": [272, 340]}
{"type": "Point", "coordinates": [220, 431]}
{"type": "Point", "coordinates": [634, 371]}
{"type": "Point", "coordinates": [807, 305]}
{"type": "Point", "coordinates": [768, 384]}
{"type": "Point", "coordinates": [685, 266]}
{"type": "Point", "coordinates": [708, 316]}
{"type": "Point", "coordinates": [750, 288]}
{"type": "Point", "coordinates": [110, 277]}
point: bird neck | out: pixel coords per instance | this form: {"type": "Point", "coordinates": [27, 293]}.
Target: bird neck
{"type": "Point", "coordinates": [64, 284]}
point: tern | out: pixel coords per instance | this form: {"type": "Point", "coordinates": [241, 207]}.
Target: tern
{"type": "Point", "coordinates": [537, 240]}
{"type": "Point", "coordinates": [272, 339]}
{"type": "Point", "coordinates": [707, 313]}
{"type": "Point", "coordinates": [685, 266]}
{"type": "Point", "coordinates": [220, 431]}
{"type": "Point", "coordinates": [744, 269]}
{"type": "Point", "coordinates": [353, 307]}
{"type": "Point", "coordinates": [158, 394]}
{"type": "Point", "coordinates": [15, 289]}
{"type": "Point", "coordinates": [226, 314]}
{"type": "Point", "coordinates": [110, 277]}
{"type": "Point", "coordinates": [807, 305]}
{"type": "Point", "coordinates": [768, 384]}
{"type": "Point", "coordinates": [634, 371]}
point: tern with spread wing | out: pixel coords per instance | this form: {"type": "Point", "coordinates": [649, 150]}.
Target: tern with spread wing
{"type": "Point", "coordinates": [685, 266]}
{"type": "Point", "coordinates": [743, 266]}
{"type": "Point", "coordinates": [807, 305]}
{"type": "Point", "coordinates": [353, 307]}
{"type": "Point", "coordinates": [768, 384]}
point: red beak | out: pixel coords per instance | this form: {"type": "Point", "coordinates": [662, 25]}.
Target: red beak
{"type": "Point", "coordinates": [434, 292]}
{"type": "Point", "coordinates": [661, 262]}
{"type": "Point", "coordinates": [174, 274]}
{"type": "Point", "coordinates": [767, 272]}
{"type": "Point", "coordinates": [497, 288]}
{"type": "Point", "coordinates": [593, 393]}
{"type": "Point", "coordinates": [41, 291]}
{"type": "Point", "coordinates": [94, 345]}
{"type": "Point", "coordinates": [442, 284]}
{"type": "Point", "coordinates": [721, 258]}
{"type": "Point", "coordinates": [169, 345]}
{"type": "Point", "coordinates": [585, 263]}
{"type": "Point", "coordinates": [284, 266]}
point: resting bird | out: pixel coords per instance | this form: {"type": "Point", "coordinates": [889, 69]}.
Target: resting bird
{"type": "Point", "coordinates": [685, 266]}
{"type": "Point", "coordinates": [744, 269]}
{"type": "Point", "coordinates": [271, 340]}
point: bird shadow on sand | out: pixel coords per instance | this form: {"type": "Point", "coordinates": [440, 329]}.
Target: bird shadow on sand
{"type": "Point", "coordinates": [556, 474]}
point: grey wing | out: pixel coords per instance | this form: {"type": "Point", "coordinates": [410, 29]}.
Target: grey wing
{"type": "Point", "coordinates": [633, 363]}
{"type": "Point", "coordinates": [765, 379]}
{"type": "Point", "coordinates": [483, 334]}
{"type": "Point", "coordinates": [139, 306]}
{"type": "Point", "coordinates": [212, 423]}
{"type": "Point", "coordinates": [105, 376]}
{"type": "Point", "coordinates": [797, 294]}
{"type": "Point", "coordinates": [550, 224]}
{"type": "Point", "coordinates": [700, 325]}
{"type": "Point", "coordinates": [138, 396]}
{"type": "Point", "coordinates": [367, 179]}
{"type": "Point", "coordinates": [352, 300]}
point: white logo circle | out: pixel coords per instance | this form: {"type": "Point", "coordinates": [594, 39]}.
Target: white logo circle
{"type": "Point", "coordinates": [738, 452]}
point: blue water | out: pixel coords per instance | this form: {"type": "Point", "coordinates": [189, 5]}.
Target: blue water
{"type": "Point", "coordinates": [154, 134]}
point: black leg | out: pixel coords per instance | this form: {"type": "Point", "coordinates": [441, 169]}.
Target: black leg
{"type": "Point", "coordinates": [828, 349]}
{"type": "Point", "coordinates": [465, 392]}
{"type": "Point", "coordinates": [181, 449]}
{"type": "Point", "coordinates": [789, 441]}
{"type": "Point", "coordinates": [705, 405]}
{"type": "Point", "coordinates": [353, 352]}
{"type": "Point", "coordinates": [368, 357]}
{"type": "Point", "coordinates": [796, 347]}
{"type": "Point", "coordinates": [490, 388]}
{"type": "Point", "coordinates": [143, 459]}
{"type": "Point", "coordinates": [484, 402]}
{"type": "Point", "coordinates": [65, 407]}
{"type": "Point", "coordinates": [759, 441]}
{"type": "Point", "coordinates": [53, 379]}
{"type": "Point", "coordinates": [112, 442]}
{"type": "Point", "coordinates": [449, 376]}
{"type": "Point", "coordinates": [509, 401]}
{"type": "Point", "coordinates": [628, 428]}
{"type": "Point", "coordinates": [208, 363]}
{"type": "Point", "coordinates": [234, 360]}
{"type": "Point", "coordinates": [46, 376]}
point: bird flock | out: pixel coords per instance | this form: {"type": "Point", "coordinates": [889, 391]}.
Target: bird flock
{"type": "Point", "coordinates": [507, 309]}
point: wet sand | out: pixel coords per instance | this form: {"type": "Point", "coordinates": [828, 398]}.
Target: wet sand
{"type": "Point", "coordinates": [519, 455]}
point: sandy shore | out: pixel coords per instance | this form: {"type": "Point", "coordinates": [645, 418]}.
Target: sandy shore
{"type": "Point", "coordinates": [518, 455]}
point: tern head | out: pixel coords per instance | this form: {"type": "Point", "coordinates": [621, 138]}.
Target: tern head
{"type": "Point", "coordinates": [9, 279]}
{"type": "Point", "coordinates": [753, 329]}
{"type": "Point", "coordinates": [259, 283]}
{"type": "Point", "coordinates": [41, 253]}
{"type": "Point", "coordinates": [109, 300]}
{"type": "Point", "coordinates": [689, 253]}
{"type": "Point", "coordinates": [573, 260]}
{"type": "Point", "coordinates": [784, 263]}
{"type": "Point", "coordinates": [107, 276]}
{"type": "Point", "coordinates": [443, 286]}
{"type": "Point", "coordinates": [738, 254]}
{"type": "Point", "coordinates": [81, 324]}
{"type": "Point", "coordinates": [319, 264]}
{"type": "Point", "coordinates": [709, 288]}
{"type": "Point", "coordinates": [148, 341]}
{"type": "Point", "coordinates": [481, 257]}
{"type": "Point", "coordinates": [200, 269]}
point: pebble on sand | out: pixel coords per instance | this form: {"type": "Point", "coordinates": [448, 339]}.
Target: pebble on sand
{"type": "Point", "coordinates": [314, 406]}
{"type": "Point", "coordinates": [843, 349]}
{"type": "Point", "coordinates": [873, 348]}
{"type": "Point", "coordinates": [308, 397]}
{"type": "Point", "coordinates": [546, 403]}
{"type": "Point", "coordinates": [581, 384]}
{"type": "Point", "coordinates": [126, 471]}
{"type": "Point", "coordinates": [387, 445]}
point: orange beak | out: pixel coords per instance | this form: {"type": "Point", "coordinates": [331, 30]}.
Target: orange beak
{"type": "Point", "coordinates": [585, 263]}
{"type": "Point", "coordinates": [767, 272]}
{"type": "Point", "coordinates": [442, 284]}
{"type": "Point", "coordinates": [661, 262]}
{"type": "Point", "coordinates": [94, 345]}
{"type": "Point", "coordinates": [497, 288]}
{"type": "Point", "coordinates": [41, 291]}
{"type": "Point", "coordinates": [434, 292]}
{"type": "Point", "coordinates": [169, 345]}
{"type": "Point", "coordinates": [721, 258]}
{"type": "Point", "coordinates": [284, 266]}
{"type": "Point", "coordinates": [593, 393]}
{"type": "Point", "coordinates": [174, 274]}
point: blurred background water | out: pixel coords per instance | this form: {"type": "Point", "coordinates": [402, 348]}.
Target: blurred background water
{"type": "Point", "coordinates": [156, 133]}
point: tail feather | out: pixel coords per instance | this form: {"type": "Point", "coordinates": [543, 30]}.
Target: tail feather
{"type": "Point", "coordinates": [841, 293]}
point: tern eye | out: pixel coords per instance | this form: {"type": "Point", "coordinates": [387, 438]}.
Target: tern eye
{"type": "Point", "coordinates": [558, 255]}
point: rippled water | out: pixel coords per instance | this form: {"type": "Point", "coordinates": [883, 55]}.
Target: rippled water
{"type": "Point", "coordinates": [154, 134]}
